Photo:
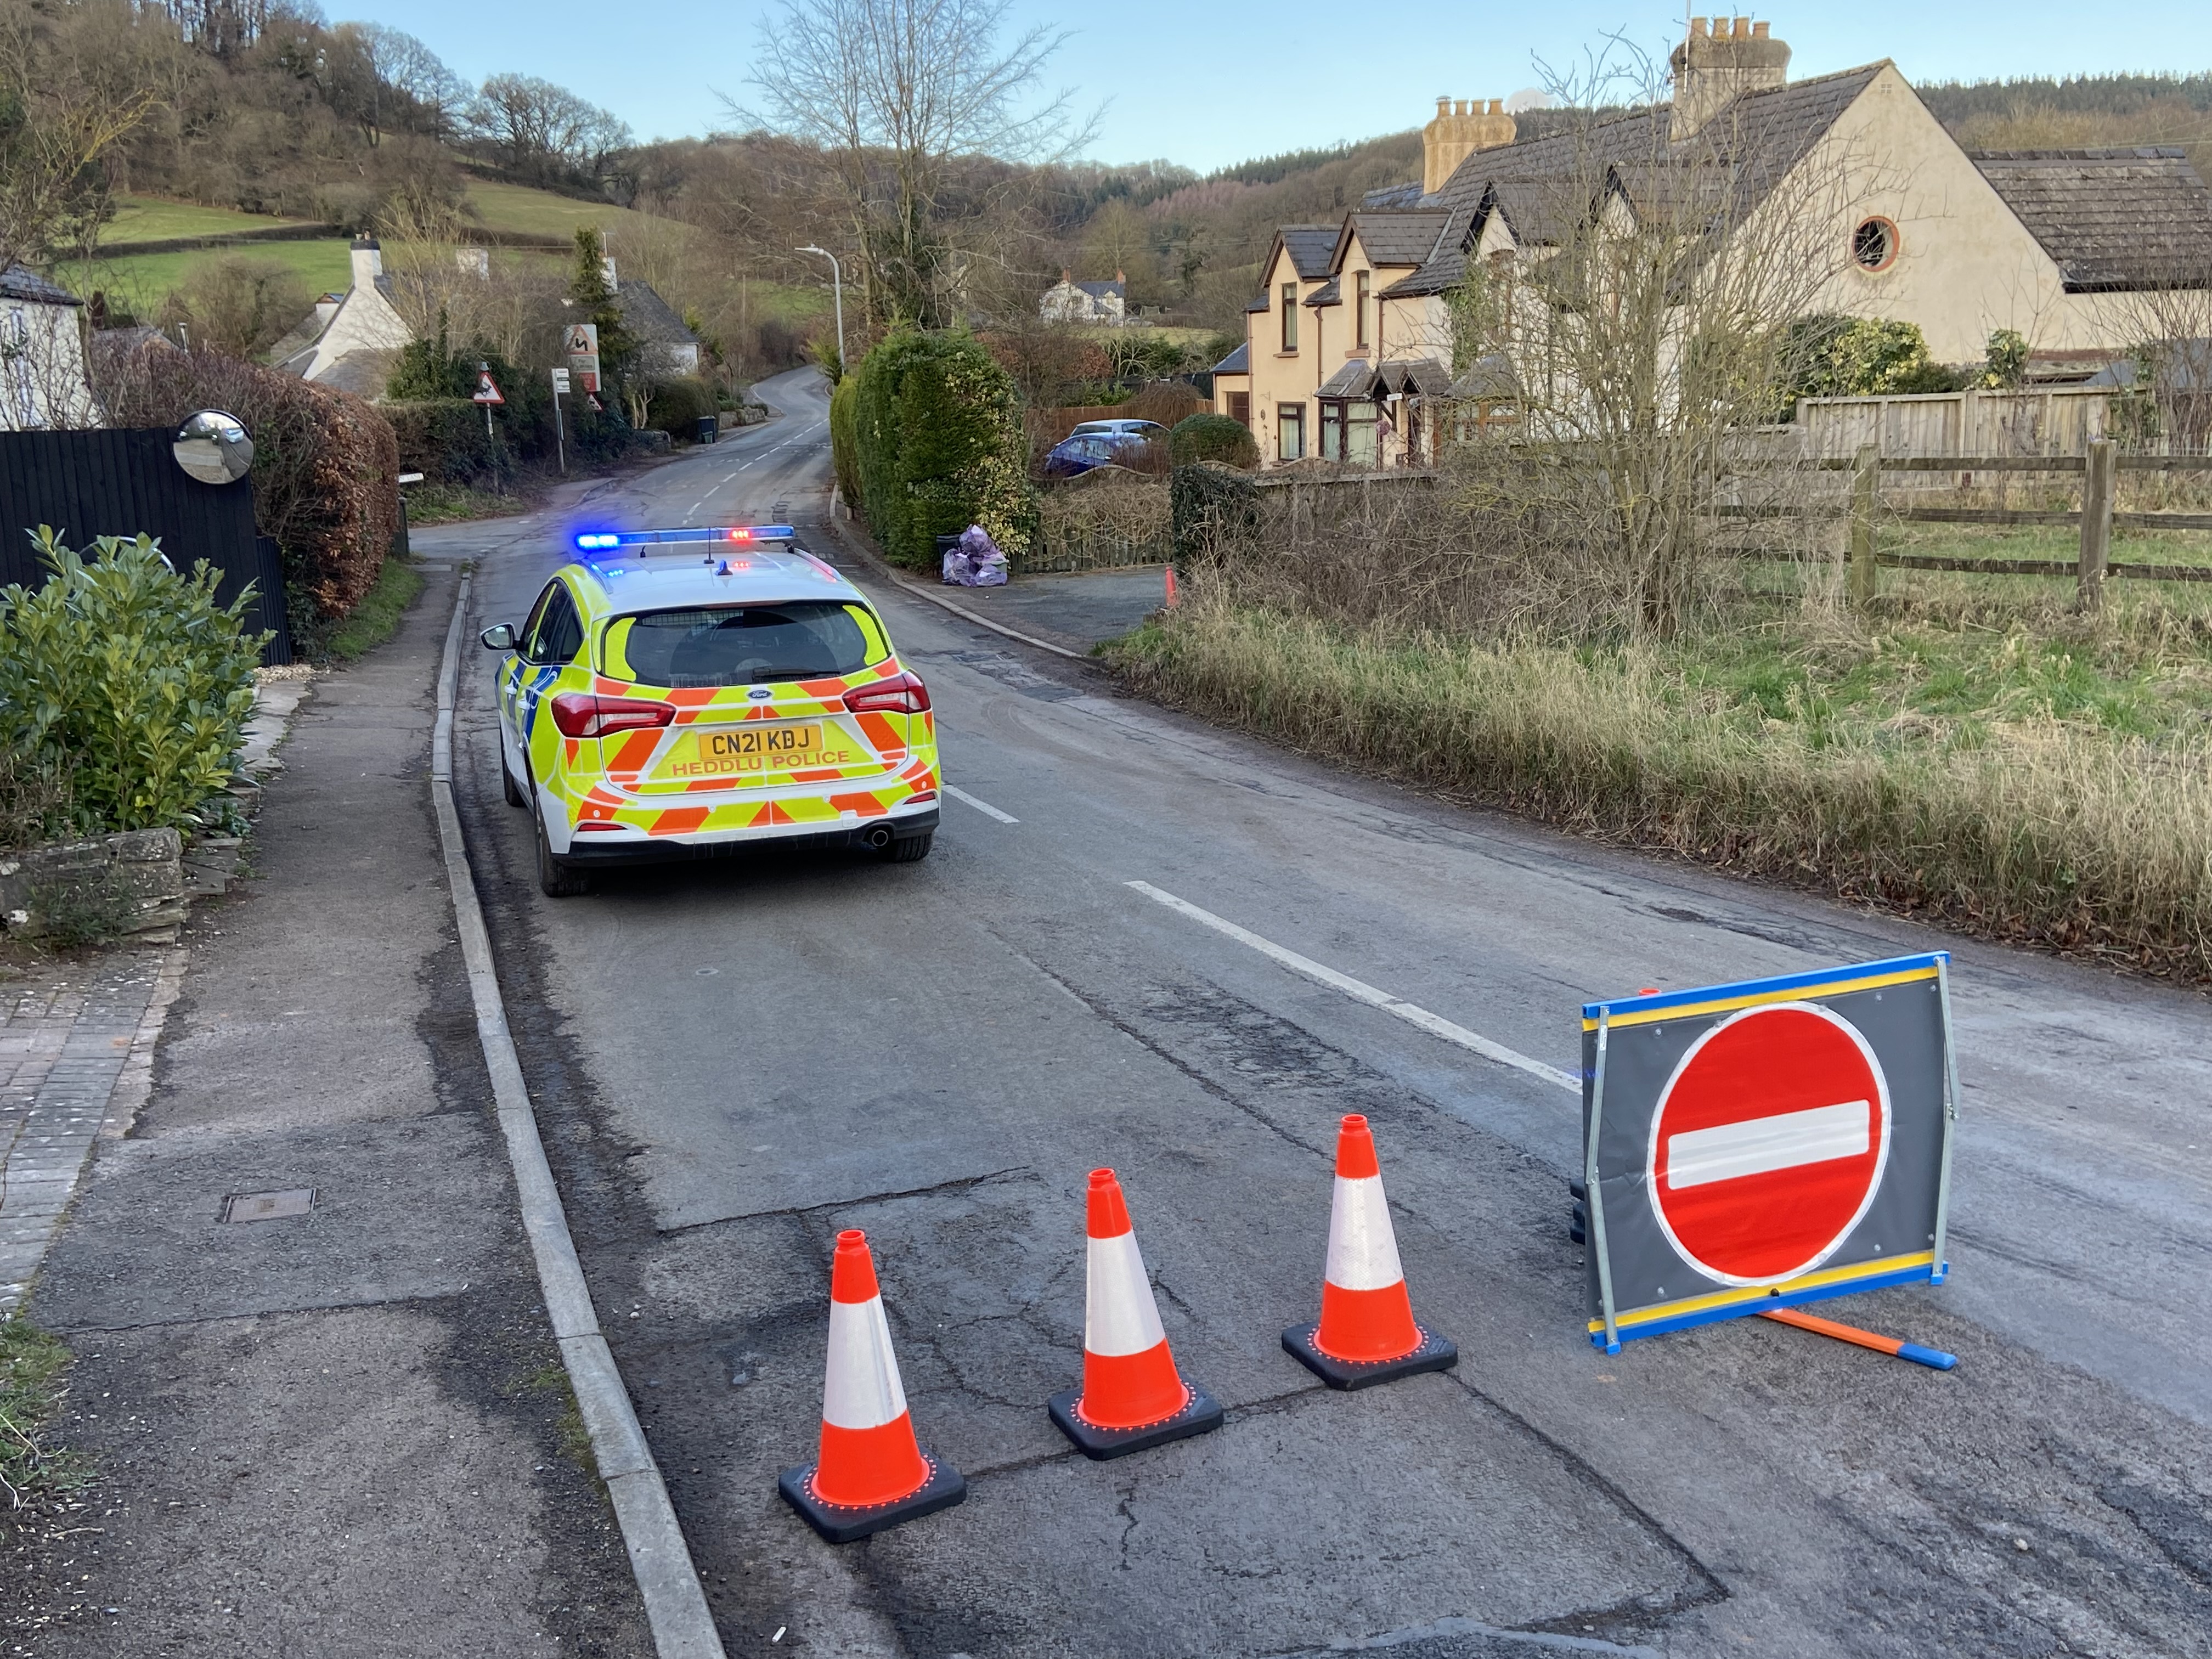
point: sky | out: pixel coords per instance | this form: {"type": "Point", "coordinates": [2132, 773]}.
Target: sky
{"type": "Point", "coordinates": [1206, 84]}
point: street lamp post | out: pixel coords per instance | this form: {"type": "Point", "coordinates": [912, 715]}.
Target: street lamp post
{"type": "Point", "coordinates": [837, 293]}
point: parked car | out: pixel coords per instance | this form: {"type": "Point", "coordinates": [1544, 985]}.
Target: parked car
{"type": "Point", "coordinates": [1102, 443]}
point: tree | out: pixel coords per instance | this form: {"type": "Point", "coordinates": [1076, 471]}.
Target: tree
{"type": "Point", "coordinates": [64, 107]}
{"type": "Point", "coordinates": [896, 92]}
{"type": "Point", "coordinates": [591, 294]}
{"type": "Point", "coordinates": [542, 131]}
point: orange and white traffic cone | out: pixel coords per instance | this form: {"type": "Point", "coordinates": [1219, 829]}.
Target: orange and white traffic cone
{"type": "Point", "coordinates": [1366, 1331]}
{"type": "Point", "coordinates": [1174, 599]}
{"type": "Point", "coordinates": [870, 1474]}
{"type": "Point", "coordinates": [1131, 1394]}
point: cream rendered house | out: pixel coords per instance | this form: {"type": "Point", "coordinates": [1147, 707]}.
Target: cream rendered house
{"type": "Point", "coordinates": [2080, 251]}
{"type": "Point", "coordinates": [42, 384]}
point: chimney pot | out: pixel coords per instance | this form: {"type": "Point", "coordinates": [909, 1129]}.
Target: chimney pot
{"type": "Point", "coordinates": [1497, 106]}
{"type": "Point", "coordinates": [1696, 26]}
{"type": "Point", "coordinates": [1758, 31]}
{"type": "Point", "coordinates": [1444, 106]}
{"type": "Point", "coordinates": [1743, 28]}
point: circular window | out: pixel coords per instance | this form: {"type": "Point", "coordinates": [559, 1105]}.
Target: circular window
{"type": "Point", "coordinates": [1874, 245]}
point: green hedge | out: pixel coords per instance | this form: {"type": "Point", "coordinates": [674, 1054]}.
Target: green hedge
{"type": "Point", "coordinates": [938, 438]}
{"type": "Point", "coordinates": [1213, 438]}
{"type": "Point", "coordinates": [444, 438]}
{"type": "Point", "coordinates": [844, 406]}
{"type": "Point", "coordinates": [677, 407]}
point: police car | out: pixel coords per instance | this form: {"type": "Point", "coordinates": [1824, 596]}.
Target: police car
{"type": "Point", "coordinates": [676, 693]}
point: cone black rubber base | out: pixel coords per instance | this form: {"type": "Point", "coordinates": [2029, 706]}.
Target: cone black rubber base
{"type": "Point", "coordinates": [1202, 1413]}
{"type": "Point", "coordinates": [841, 1523]}
{"type": "Point", "coordinates": [1436, 1353]}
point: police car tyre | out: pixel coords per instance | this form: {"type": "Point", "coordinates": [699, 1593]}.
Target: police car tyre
{"type": "Point", "coordinates": [556, 878]}
{"type": "Point", "coordinates": [912, 850]}
{"type": "Point", "coordinates": [507, 786]}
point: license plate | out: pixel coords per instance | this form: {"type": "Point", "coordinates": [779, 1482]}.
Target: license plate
{"type": "Point", "coordinates": [749, 751]}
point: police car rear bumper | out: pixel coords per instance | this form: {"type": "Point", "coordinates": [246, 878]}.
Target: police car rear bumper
{"type": "Point", "coordinates": [630, 847]}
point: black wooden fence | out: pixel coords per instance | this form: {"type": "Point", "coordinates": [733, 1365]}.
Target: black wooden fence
{"type": "Point", "coordinates": [119, 483]}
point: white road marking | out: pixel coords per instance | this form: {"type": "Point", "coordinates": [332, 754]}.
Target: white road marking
{"type": "Point", "coordinates": [1360, 991]}
{"type": "Point", "coordinates": [1759, 1146]}
{"type": "Point", "coordinates": [983, 806]}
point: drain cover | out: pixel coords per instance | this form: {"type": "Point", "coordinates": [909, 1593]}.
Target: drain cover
{"type": "Point", "coordinates": [268, 1206]}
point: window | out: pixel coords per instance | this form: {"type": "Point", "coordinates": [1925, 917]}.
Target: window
{"type": "Point", "coordinates": [1290, 316]}
{"type": "Point", "coordinates": [1359, 311]}
{"type": "Point", "coordinates": [1360, 432]}
{"type": "Point", "coordinates": [1331, 431]}
{"type": "Point", "coordinates": [1874, 245]}
{"type": "Point", "coordinates": [1240, 407]}
{"type": "Point", "coordinates": [1290, 432]}
{"type": "Point", "coordinates": [556, 633]}
{"type": "Point", "coordinates": [746, 644]}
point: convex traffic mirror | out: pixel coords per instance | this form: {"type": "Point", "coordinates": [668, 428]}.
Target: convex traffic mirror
{"type": "Point", "coordinates": [213, 448]}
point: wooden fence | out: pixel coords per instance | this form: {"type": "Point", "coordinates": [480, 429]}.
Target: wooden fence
{"type": "Point", "coordinates": [1165, 402]}
{"type": "Point", "coordinates": [2033, 421]}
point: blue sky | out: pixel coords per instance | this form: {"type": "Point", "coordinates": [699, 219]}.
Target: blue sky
{"type": "Point", "coordinates": [1178, 76]}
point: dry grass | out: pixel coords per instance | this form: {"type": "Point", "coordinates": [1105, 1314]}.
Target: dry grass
{"type": "Point", "coordinates": [1109, 516]}
{"type": "Point", "coordinates": [2034, 829]}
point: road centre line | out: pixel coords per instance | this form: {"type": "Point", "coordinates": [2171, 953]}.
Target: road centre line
{"type": "Point", "coordinates": [1360, 991]}
{"type": "Point", "coordinates": [983, 806]}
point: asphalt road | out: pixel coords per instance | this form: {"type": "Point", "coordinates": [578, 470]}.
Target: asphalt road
{"type": "Point", "coordinates": [737, 1060]}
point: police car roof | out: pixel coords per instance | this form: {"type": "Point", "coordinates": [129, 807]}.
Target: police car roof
{"type": "Point", "coordinates": [696, 575]}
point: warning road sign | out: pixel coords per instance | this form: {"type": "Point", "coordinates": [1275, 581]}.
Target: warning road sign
{"type": "Point", "coordinates": [1769, 1143]}
{"type": "Point", "coordinates": [487, 391]}
{"type": "Point", "coordinates": [581, 343]}
{"type": "Point", "coordinates": [1758, 1145]}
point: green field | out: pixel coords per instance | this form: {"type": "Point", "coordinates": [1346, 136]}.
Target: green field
{"type": "Point", "coordinates": [522, 212]}
{"type": "Point", "coordinates": [151, 219]}
{"type": "Point", "coordinates": [141, 280]}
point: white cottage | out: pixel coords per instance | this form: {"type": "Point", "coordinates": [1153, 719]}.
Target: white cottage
{"type": "Point", "coordinates": [43, 383]}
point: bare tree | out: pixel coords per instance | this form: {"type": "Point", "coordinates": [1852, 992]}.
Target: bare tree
{"type": "Point", "coordinates": [64, 107]}
{"type": "Point", "coordinates": [898, 92]}
{"type": "Point", "coordinates": [540, 128]}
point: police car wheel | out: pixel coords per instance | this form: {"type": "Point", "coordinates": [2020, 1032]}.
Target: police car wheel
{"type": "Point", "coordinates": [556, 879]}
{"type": "Point", "coordinates": [508, 786]}
{"type": "Point", "coordinates": [912, 850]}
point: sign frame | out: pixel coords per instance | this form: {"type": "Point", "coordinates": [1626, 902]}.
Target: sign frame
{"type": "Point", "coordinates": [1602, 1025]}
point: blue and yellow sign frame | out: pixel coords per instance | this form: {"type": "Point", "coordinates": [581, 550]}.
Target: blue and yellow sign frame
{"type": "Point", "coordinates": [1631, 1045]}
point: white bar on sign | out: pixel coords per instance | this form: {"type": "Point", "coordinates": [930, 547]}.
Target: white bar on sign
{"type": "Point", "coordinates": [1758, 1145]}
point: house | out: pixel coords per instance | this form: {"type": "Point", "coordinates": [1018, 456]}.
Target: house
{"type": "Point", "coordinates": [349, 341]}
{"type": "Point", "coordinates": [669, 345]}
{"type": "Point", "coordinates": [1069, 301]}
{"type": "Point", "coordinates": [2078, 251]}
{"type": "Point", "coordinates": [43, 384]}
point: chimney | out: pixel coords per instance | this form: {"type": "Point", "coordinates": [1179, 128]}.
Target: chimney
{"type": "Point", "coordinates": [1456, 133]}
{"type": "Point", "coordinates": [1066, 277]}
{"type": "Point", "coordinates": [607, 270]}
{"type": "Point", "coordinates": [367, 262]}
{"type": "Point", "coordinates": [1710, 68]}
{"type": "Point", "coordinates": [1122, 277]}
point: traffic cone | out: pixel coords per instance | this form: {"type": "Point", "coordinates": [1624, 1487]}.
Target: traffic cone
{"type": "Point", "coordinates": [870, 1474]}
{"type": "Point", "coordinates": [1366, 1332]}
{"type": "Point", "coordinates": [1173, 599]}
{"type": "Point", "coordinates": [1131, 1394]}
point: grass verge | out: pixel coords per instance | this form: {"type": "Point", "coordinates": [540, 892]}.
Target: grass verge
{"type": "Point", "coordinates": [2018, 786]}
{"type": "Point", "coordinates": [447, 503]}
{"type": "Point", "coordinates": [375, 617]}
{"type": "Point", "coordinates": [32, 1365]}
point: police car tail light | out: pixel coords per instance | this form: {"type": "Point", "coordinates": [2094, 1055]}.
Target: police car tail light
{"type": "Point", "coordinates": [580, 715]}
{"type": "Point", "coordinates": [905, 694]}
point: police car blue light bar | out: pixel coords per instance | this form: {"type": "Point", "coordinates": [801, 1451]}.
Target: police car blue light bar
{"type": "Point", "coordinates": [601, 540]}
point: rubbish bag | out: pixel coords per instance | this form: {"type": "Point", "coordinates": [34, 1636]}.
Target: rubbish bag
{"type": "Point", "coordinates": [975, 560]}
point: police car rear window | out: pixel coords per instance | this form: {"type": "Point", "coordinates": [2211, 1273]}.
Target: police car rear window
{"type": "Point", "coordinates": [744, 645]}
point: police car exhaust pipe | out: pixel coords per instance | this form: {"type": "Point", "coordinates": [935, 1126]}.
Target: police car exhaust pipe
{"type": "Point", "coordinates": [878, 838]}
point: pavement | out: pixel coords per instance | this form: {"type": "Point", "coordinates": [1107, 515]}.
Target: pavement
{"type": "Point", "coordinates": [735, 1059]}
{"type": "Point", "coordinates": [342, 1428]}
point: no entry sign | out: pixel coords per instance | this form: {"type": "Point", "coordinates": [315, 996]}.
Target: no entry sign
{"type": "Point", "coordinates": [1761, 1145]}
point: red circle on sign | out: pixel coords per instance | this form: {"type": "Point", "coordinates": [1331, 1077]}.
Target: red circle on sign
{"type": "Point", "coordinates": [1769, 1143]}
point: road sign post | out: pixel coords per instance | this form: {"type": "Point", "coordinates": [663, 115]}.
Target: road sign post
{"type": "Point", "coordinates": [487, 394]}
{"type": "Point", "coordinates": [1755, 1146]}
{"type": "Point", "coordinates": [560, 437]}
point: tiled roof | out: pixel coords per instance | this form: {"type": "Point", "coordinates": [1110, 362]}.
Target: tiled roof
{"type": "Point", "coordinates": [1423, 375]}
{"type": "Point", "coordinates": [1104, 291]}
{"type": "Point", "coordinates": [1310, 247]}
{"type": "Point", "coordinates": [1238, 362]}
{"type": "Point", "coordinates": [1258, 302]}
{"type": "Point", "coordinates": [1539, 186]}
{"type": "Point", "coordinates": [2111, 220]}
{"type": "Point", "coordinates": [1330, 293]}
{"type": "Point", "coordinates": [1393, 196]}
{"type": "Point", "coordinates": [1349, 381]}
{"type": "Point", "coordinates": [21, 282]}
{"type": "Point", "coordinates": [650, 318]}
{"type": "Point", "coordinates": [1398, 239]}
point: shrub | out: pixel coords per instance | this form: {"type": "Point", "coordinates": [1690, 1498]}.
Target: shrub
{"type": "Point", "coordinates": [1214, 438]}
{"type": "Point", "coordinates": [38, 802]}
{"type": "Point", "coordinates": [939, 438]}
{"type": "Point", "coordinates": [128, 675]}
{"type": "Point", "coordinates": [843, 403]}
{"type": "Point", "coordinates": [326, 468]}
{"type": "Point", "coordinates": [677, 406]}
{"type": "Point", "coordinates": [1837, 357]}
{"type": "Point", "coordinates": [444, 440]}
{"type": "Point", "coordinates": [1208, 505]}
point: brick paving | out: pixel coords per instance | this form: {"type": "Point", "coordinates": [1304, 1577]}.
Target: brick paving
{"type": "Point", "coordinates": [74, 1046]}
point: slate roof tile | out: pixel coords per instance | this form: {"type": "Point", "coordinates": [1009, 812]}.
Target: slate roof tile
{"type": "Point", "coordinates": [2111, 220]}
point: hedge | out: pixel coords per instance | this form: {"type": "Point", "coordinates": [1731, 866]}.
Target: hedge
{"type": "Point", "coordinates": [678, 406]}
{"type": "Point", "coordinates": [844, 459]}
{"type": "Point", "coordinates": [1206, 437]}
{"type": "Point", "coordinates": [326, 468]}
{"type": "Point", "coordinates": [938, 439]}
{"type": "Point", "coordinates": [444, 438]}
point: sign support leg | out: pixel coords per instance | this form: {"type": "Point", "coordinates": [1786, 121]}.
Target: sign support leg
{"type": "Point", "coordinates": [1594, 1194]}
{"type": "Point", "coordinates": [1941, 1265]}
{"type": "Point", "coordinates": [1934, 1358]}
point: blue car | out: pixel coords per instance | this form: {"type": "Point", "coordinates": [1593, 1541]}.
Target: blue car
{"type": "Point", "coordinates": [1102, 443]}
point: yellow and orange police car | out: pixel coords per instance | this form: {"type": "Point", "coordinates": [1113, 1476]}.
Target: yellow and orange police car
{"type": "Point", "coordinates": [676, 693]}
